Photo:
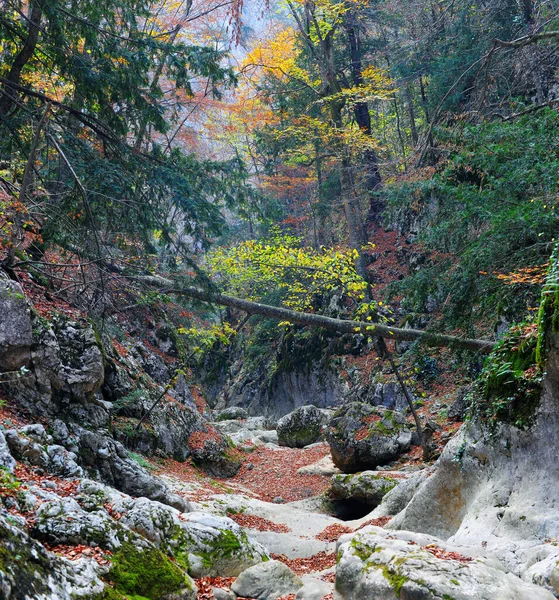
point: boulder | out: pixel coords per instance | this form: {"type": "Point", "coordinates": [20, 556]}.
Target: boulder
{"type": "Point", "coordinates": [267, 581]}
{"type": "Point", "coordinates": [15, 327]}
{"type": "Point", "coordinates": [301, 427]}
{"type": "Point", "coordinates": [363, 437]}
{"type": "Point", "coordinates": [203, 544]}
{"type": "Point", "coordinates": [457, 410]}
{"type": "Point", "coordinates": [368, 488]}
{"type": "Point", "coordinates": [375, 563]}
{"type": "Point", "coordinates": [7, 461]}
{"type": "Point", "coordinates": [390, 395]}
{"type": "Point", "coordinates": [28, 570]}
{"type": "Point", "coordinates": [231, 413]}
{"type": "Point", "coordinates": [111, 462]}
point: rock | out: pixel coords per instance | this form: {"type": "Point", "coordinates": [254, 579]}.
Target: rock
{"type": "Point", "coordinates": [110, 460]}
{"type": "Point", "coordinates": [183, 432]}
{"type": "Point", "coordinates": [313, 589]}
{"type": "Point", "coordinates": [203, 544]}
{"type": "Point", "coordinates": [323, 466]}
{"type": "Point", "coordinates": [375, 563]}
{"type": "Point", "coordinates": [26, 450]}
{"type": "Point", "coordinates": [7, 461]}
{"type": "Point", "coordinates": [64, 521]}
{"type": "Point", "coordinates": [399, 496]}
{"type": "Point", "coordinates": [29, 571]}
{"type": "Point", "coordinates": [301, 427]}
{"type": "Point", "coordinates": [222, 594]}
{"type": "Point", "coordinates": [267, 581]}
{"type": "Point", "coordinates": [15, 327]}
{"type": "Point", "coordinates": [459, 407]}
{"type": "Point", "coordinates": [367, 488]}
{"type": "Point", "coordinates": [288, 389]}
{"type": "Point", "coordinates": [363, 437]}
{"type": "Point", "coordinates": [232, 413]}
{"type": "Point", "coordinates": [389, 395]}
{"type": "Point", "coordinates": [81, 358]}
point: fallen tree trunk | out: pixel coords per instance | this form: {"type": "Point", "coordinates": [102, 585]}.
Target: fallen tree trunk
{"type": "Point", "coordinates": [312, 320]}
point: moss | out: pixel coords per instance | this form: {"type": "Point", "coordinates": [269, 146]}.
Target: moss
{"type": "Point", "coordinates": [143, 573]}
{"type": "Point", "coordinates": [510, 385]}
{"type": "Point", "coordinates": [454, 582]}
{"type": "Point", "coordinates": [397, 580]}
{"type": "Point", "coordinates": [362, 551]}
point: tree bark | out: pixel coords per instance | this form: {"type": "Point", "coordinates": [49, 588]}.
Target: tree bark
{"type": "Point", "coordinates": [338, 325]}
{"type": "Point", "coordinates": [8, 99]}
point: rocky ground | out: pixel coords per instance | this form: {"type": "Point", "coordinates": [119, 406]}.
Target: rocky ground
{"type": "Point", "coordinates": [117, 482]}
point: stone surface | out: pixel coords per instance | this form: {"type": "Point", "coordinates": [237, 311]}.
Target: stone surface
{"type": "Point", "coordinates": [459, 407]}
{"type": "Point", "coordinates": [6, 459]}
{"type": "Point", "coordinates": [288, 390]}
{"type": "Point", "coordinates": [231, 413]}
{"type": "Point", "coordinates": [28, 571]}
{"type": "Point", "coordinates": [267, 581]}
{"type": "Point", "coordinates": [368, 487]}
{"type": "Point", "coordinates": [15, 327]}
{"type": "Point", "coordinates": [111, 462]}
{"type": "Point", "coordinates": [324, 467]}
{"type": "Point", "coordinates": [301, 427]}
{"type": "Point", "coordinates": [362, 437]}
{"type": "Point", "coordinates": [375, 563]}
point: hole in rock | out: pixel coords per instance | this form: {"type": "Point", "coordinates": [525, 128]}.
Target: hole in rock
{"type": "Point", "coordinates": [349, 510]}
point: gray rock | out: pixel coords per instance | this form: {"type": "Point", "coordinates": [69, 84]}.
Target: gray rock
{"type": "Point", "coordinates": [183, 432]}
{"type": "Point", "coordinates": [313, 589]}
{"type": "Point", "coordinates": [458, 408]}
{"type": "Point", "coordinates": [390, 395]}
{"type": "Point", "coordinates": [110, 461]}
{"type": "Point", "coordinates": [301, 427]}
{"type": "Point", "coordinates": [323, 466]}
{"type": "Point", "coordinates": [6, 459]}
{"type": "Point", "coordinates": [232, 413]}
{"type": "Point", "coordinates": [15, 327]}
{"type": "Point", "coordinates": [267, 581]}
{"type": "Point", "coordinates": [288, 390]}
{"type": "Point", "coordinates": [375, 563]}
{"type": "Point", "coordinates": [26, 450]}
{"type": "Point", "coordinates": [367, 487]}
{"type": "Point", "coordinates": [222, 594]}
{"type": "Point", "coordinates": [28, 571]}
{"type": "Point", "coordinates": [364, 437]}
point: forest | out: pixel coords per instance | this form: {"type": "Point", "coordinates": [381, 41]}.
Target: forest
{"type": "Point", "coordinates": [279, 302]}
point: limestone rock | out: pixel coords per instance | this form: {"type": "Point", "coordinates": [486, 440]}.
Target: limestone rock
{"type": "Point", "coordinates": [113, 465]}
{"type": "Point", "coordinates": [29, 571]}
{"type": "Point", "coordinates": [367, 487]}
{"type": "Point", "coordinates": [6, 459]}
{"type": "Point", "coordinates": [301, 427]}
{"type": "Point", "coordinates": [232, 413]}
{"type": "Point", "coordinates": [267, 581]}
{"type": "Point", "coordinates": [15, 327]}
{"type": "Point", "coordinates": [363, 437]}
{"type": "Point", "coordinates": [375, 563]}
{"type": "Point", "coordinates": [458, 408]}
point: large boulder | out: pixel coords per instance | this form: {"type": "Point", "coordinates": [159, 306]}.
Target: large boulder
{"type": "Point", "coordinates": [301, 427]}
{"type": "Point", "coordinates": [15, 327]}
{"type": "Point", "coordinates": [110, 461]}
{"type": "Point", "coordinates": [28, 570]}
{"type": "Point", "coordinates": [267, 581]}
{"type": "Point", "coordinates": [363, 437]}
{"type": "Point", "coordinates": [183, 432]}
{"type": "Point", "coordinates": [375, 563]}
{"type": "Point", "coordinates": [367, 488]}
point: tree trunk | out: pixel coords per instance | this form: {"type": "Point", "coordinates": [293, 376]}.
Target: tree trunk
{"type": "Point", "coordinates": [369, 329]}
{"type": "Point", "coordinates": [8, 99]}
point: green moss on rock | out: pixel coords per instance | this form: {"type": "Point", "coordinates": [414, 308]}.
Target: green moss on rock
{"type": "Point", "coordinates": [139, 573]}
